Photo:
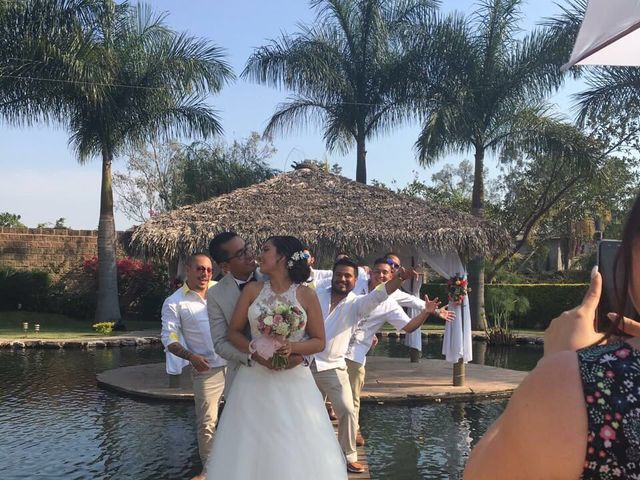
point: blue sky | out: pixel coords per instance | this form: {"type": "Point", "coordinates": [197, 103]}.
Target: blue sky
{"type": "Point", "coordinates": [42, 181]}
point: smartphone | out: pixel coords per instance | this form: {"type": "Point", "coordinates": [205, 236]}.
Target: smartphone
{"type": "Point", "coordinates": [607, 252]}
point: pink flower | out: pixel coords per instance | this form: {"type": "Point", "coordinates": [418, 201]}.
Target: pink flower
{"type": "Point", "coordinates": [623, 353]}
{"type": "Point", "coordinates": [590, 399]}
{"type": "Point", "coordinates": [610, 374]}
{"type": "Point", "coordinates": [607, 433]}
{"type": "Point", "coordinates": [277, 318]}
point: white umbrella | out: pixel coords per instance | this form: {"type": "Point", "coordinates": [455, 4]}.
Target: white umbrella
{"type": "Point", "coordinates": [609, 35]}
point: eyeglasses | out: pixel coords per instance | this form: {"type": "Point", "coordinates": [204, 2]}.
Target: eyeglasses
{"type": "Point", "coordinates": [202, 269]}
{"type": "Point", "coordinates": [393, 264]}
{"type": "Point", "coordinates": [242, 253]}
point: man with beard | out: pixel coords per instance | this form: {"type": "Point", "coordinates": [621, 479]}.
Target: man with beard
{"type": "Point", "coordinates": [232, 254]}
{"type": "Point", "coordinates": [341, 309]}
{"type": "Point", "coordinates": [366, 328]}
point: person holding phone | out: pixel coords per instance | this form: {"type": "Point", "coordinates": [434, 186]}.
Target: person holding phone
{"type": "Point", "coordinates": [577, 414]}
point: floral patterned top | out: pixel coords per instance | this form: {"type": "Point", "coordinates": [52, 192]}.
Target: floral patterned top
{"type": "Point", "coordinates": [611, 383]}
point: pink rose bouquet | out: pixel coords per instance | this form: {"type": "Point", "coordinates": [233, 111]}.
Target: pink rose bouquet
{"type": "Point", "coordinates": [277, 325]}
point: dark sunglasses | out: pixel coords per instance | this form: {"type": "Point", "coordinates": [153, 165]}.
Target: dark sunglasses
{"type": "Point", "coordinates": [393, 264]}
{"type": "Point", "coordinates": [202, 269]}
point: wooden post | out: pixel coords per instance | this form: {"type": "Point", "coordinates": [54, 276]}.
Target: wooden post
{"type": "Point", "coordinates": [458, 373]}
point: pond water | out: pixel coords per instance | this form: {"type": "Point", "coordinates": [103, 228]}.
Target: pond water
{"type": "Point", "coordinates": [56, 423]}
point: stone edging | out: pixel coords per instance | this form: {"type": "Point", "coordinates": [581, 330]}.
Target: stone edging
{"type": "Point", "coordinates": [109, 342]}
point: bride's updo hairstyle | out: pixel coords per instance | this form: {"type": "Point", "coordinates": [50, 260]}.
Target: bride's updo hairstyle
{"type": "Point", "coordinates": [292, 250]}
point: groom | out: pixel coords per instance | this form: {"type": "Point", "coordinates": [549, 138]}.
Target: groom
{"type": "Point", "coordinates": [232, 254]}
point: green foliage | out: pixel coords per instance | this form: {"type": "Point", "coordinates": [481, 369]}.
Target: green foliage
{"type": "Point", "coordinates": [24, 289]}
{"type": "Point", "coordinates": [10, 220]}
{"type": "Point", "coordinates": [165, 176]}
{"type": "Point", "coordinates": [545, 301]}
{"type": "Point", "coordinates": [211, 170]}
{"type": "Point", "coordinates": [104, 328]}
{"type": "Point", "coordinates": [59, 223]}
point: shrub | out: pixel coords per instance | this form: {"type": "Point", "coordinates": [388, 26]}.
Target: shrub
{"type": "Point", "coordinates": [104, 328]}
{"type": "Point", "coordinates": [546, 300]}
{"type": "Point", "coordinates": [142, 287]}
{"type": "Point", "coordinates": [24, 289]}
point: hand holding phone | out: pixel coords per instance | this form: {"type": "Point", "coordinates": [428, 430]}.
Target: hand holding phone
{"type": "Point", "coordinates": [611, 277]}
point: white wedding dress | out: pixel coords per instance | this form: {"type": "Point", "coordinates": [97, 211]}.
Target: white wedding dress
{"type": "Point", "coordinates": [274, 425]}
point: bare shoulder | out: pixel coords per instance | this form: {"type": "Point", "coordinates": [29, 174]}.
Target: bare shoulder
{"type": "Point", "coordinates": [545, 418]}
{"type": "Point", "coordinates": [306, 295]}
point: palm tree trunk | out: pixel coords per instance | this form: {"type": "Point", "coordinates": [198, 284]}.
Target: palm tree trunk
{"type": "Point", "coordinates": [361, 152]}
{"type": "Point", "coordinates": [108, 309]}
{"type": "Point", "coordinates": [476, 265]}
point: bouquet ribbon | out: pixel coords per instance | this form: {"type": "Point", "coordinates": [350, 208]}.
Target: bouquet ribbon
{"type": "Point", "coordinates": [265, 346]}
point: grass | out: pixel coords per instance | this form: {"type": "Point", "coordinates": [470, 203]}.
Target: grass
{"type": "Point", "coordinates": [54, 326]}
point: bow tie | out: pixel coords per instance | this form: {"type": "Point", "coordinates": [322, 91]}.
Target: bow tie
{"type": "Point", "coordinates": [242, 285]}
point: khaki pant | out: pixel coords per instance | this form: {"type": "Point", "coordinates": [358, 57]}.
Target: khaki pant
{"type": "Point", "coordinates": [207, 390]}
{"type": "Point", "coordinates": [334, 384]}
{"type": "Point", "coordinates": [356, 380]}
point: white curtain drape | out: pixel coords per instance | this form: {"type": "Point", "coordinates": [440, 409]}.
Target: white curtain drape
{"type": "Point", "coordinates": [457, 333]}
{"type": "Point", "coordinates": [414, 339]}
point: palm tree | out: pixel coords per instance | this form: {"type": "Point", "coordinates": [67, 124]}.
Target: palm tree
{"type": "Point", "coordinates": [149, 81]}
{"type": "Point", "coordinates": [41, 49]}
{"type": "Point", "coordinates": [483, 88]}
{"type": "Point", "coordinates": [347, 71]}
{"type": "Point", "coordinates": [116, 76]}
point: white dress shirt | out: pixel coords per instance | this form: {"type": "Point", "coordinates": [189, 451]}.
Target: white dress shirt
{"type": "Point", "coordinates": [362, 335]}
{"type": "Point", "coordinates": [406, 300]}
{"type": "Point", "coordinates": [339, 323]}
{"type": "Point", "coordinates": [185, 317]}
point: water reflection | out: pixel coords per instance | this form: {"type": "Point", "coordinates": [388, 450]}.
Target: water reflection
{"type": "Point", "coordinates": [56, 423]}
{"type": "Point", "coordinates": [424, 442]}
{"type": "Point", "coordinates": [518, 357]}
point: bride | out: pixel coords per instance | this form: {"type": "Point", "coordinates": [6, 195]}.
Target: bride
{"type": "Point", "coordinates": [274, 425]}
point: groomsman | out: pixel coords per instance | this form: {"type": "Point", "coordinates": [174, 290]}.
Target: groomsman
{"type": "Point", "coordinates": [341, 309]}
{"type": "Point", "coordinates": [364, 332]}
{"type": "Point", "coordinates": [232, 254]}
{"type": "Point", "coordinates": [186, 334]}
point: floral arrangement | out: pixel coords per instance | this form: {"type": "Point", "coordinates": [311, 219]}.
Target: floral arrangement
{"type": "Point", "coordinates": [103, 327]}
{"type": "Point", "coordinates": [276, 325]}
{"type": "Point", "coordinates": [296, 257]}
{"type": "Point", "coordinates": [458, 289]}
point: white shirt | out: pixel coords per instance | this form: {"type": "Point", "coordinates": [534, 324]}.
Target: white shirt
{"type": "Point", "coordinates": [366, 328]}
{"type": "Point", "coordinates": [339, 323]}
{"type": "Point", "coordinates": [185, 317]}
{"type": "Point", "coordinates": [321, 279]}
{"type": "Point", "coordinates": [407, 300]}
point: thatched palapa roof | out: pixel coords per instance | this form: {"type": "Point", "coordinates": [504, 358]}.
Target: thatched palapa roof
{"type": "Point", "coordinates": [327, 212]}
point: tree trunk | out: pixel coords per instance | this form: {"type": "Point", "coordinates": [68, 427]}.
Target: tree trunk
{"type": "Point", "coordinates": [361, 152]}
{"type": "Point", "coordinates": [476, 265]}
{"type": "Point", "coordinates": [108, 309]}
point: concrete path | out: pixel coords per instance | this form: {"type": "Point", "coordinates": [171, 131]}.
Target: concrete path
{"type": "Point", "coordinates": [389, 380]}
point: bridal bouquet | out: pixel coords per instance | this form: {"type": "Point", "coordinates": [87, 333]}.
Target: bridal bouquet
{"type": "Point", "coordinates": [276, 325]}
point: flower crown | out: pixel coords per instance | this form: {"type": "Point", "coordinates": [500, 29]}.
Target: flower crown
{"type": "Point", "coordinates": [296, 257]}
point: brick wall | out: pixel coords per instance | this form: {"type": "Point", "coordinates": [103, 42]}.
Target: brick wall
{"type": "Point", "coordinates": [54, 250]}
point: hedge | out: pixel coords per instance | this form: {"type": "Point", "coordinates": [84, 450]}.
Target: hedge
{"type": "Point", "coordinates": [547, 300]}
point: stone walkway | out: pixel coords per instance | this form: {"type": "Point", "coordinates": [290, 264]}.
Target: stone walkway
{"type": "Point", "coordinates": [389, 380]}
